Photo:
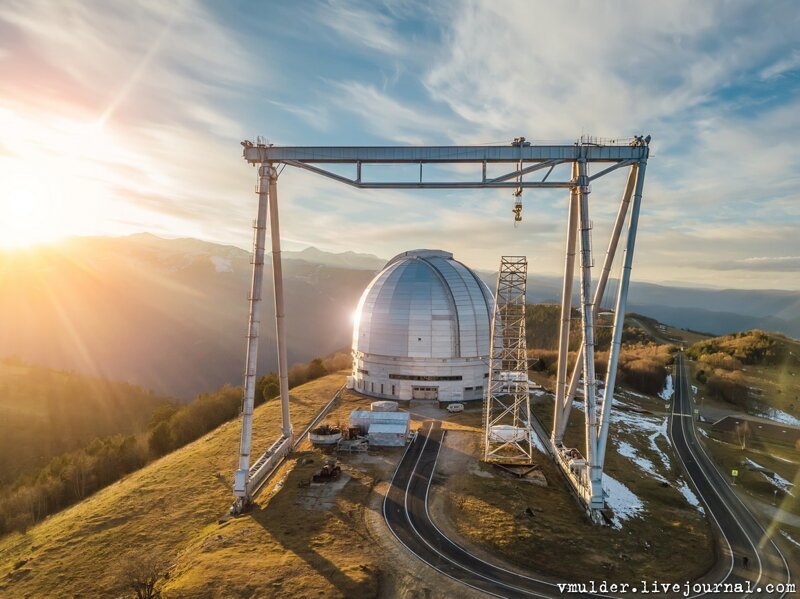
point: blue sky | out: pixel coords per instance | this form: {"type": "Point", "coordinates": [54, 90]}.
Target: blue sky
{"type": "Point", "coordinates": [118, 117]}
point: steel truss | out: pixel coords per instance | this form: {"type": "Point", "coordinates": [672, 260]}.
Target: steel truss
{"type": "Point", "coordinates": [524, 158]}
{"type": "Point", "coordinates": [507, 409]}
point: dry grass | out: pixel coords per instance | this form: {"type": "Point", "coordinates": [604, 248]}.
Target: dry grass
{"type": "Point", "coordinates": [673, 541]}
{"type": "Point", "coordinates": [171, 509]}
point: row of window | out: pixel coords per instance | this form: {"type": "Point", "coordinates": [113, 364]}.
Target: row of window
{"type": "Point", "coordinates": [360, 384]}
{"type": "Point", "coordinates": [419, 377]}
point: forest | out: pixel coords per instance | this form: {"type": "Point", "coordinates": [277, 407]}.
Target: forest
{"type": "Point", "coordinates": [70, 476]}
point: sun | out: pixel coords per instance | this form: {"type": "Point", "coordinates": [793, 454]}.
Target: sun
{"type": "Point", "coordinates": [47, 179]}
{"type": "Point", "coordinates": [26, 208]}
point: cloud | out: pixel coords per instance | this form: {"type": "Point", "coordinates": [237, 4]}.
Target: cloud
{"type": "Point", "coordinates": [364, 25]}
{"type": "Point", "coordinates": [781, 66]}
{"type": "Point", "coordinates": [387, 117]}
{"type": "Point", "coordinates": [762, 263]}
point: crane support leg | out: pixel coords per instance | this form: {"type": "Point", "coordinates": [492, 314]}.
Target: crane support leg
{"type": "Point", "coordinates": [241, 482]}
{"type": "Point", "coordinates": [566, 313]}
{"type": "Point", "coordinates": [619, 315]}
{"type": "Point", "coordinates": [247, 478]}
{"type": "Point", "coordinates": [566, 398]}
{"type": "Point", "coordinates": [595, 489]}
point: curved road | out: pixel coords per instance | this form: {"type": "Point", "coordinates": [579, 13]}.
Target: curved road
{"type": "Point", "coordinates": [405, 510]}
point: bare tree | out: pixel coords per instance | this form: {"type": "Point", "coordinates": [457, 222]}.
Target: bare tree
{"type": "Point", "coordinates": [142, 574]}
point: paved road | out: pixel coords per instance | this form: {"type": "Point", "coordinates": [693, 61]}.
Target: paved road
{"type": "Point", "coordinates": [739, 533]}
{"type": "Point", "coordinates": [406, 513]}
{"type": "Point", "coordinates": [405, 509]}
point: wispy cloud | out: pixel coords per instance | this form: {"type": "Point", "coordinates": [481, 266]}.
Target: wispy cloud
{"type": "Point", "coordinates": [762, 263]}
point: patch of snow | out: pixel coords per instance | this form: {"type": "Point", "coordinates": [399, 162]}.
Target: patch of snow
{"type": "Point", "coordinates": [666, 392]}
{"type": "Point", "coordinates": [778, 416]}
{"type": "Point", "coordinates": [661, 431]}
{"type": "Point", "coordinates": [537, 442]}
{"type": "Point", "coordinates": [624, 503]}
{"type": "Point", "coordinates": [778, 481]}
{"type": "Point", "coordinates": [537, 393]}
{"type": "Point", "coordinates": [222, 264]}
{"type": "Point", "coordinates": [694, 390]}
{"type": "Point", "coordinates": [789, 538]}
{"type": "Point", "coordinates": [690, 496]}
{"type": "Point", "coordinates": [630, 452]}
{"type": "Point", "coordinates": [755, 465]}
{"type": "Point", "coordinates": [703, 432]}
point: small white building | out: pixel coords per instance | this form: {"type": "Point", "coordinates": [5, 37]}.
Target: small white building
{"type": "Point", "coordinates": [387, 429]}
{"type": "Point", "coordinates": [387, 435]}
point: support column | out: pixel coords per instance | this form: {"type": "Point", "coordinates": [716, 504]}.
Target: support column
{"type": "Point", "coordinates": [241, 478]}
{"type": "Point", "coordinates": [587, 317]}
{"type": "Point", "coordinates": [559, 425]}
{"type": "Point", "coordinates": [598, 297]}
{"type": "Point", "coordinates": [280, 324]}
{"type": "Point", "coordinates": [619, 314]}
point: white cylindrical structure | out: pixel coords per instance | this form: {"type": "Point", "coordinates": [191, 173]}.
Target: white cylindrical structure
{"type": "Point", "coordinates": [383, 406]}
{"type": "Point", "coordinates": [598, 298]}
{"type": "Point", "coordinates": [280, 324]}
{"type": "Point", "coordinates": [566, 315]}
{"type": "Point", "coordinates": [587, 317]}
{"type": "Point", "coordinates": [619, 313]}
{"type": "Point", "coordinates": [241, 477]}
{"type": "Point", "coordinates": [421, 331]}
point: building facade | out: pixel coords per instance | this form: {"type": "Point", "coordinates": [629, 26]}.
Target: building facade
{"type": "Point", "coordinates": [422, 331]}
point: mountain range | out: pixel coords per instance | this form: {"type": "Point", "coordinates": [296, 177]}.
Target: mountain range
{"type": "Point", "coordinates": [171, 315]}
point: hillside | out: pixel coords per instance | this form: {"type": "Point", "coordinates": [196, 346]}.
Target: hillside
{"type": "Point", "coordinates": [754, 372]}
{"type": "Point", "coordinates": [170, 315]}
{"type": "Point", "coordinates": [167, 510]}
{"type": "Point", "coordinates": [46, 412]}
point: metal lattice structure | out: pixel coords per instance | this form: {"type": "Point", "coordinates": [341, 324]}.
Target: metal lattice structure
{"type": "Point", "coordinates": [521, 163]}
{"type": "Point", "coordinates": [507, 410]}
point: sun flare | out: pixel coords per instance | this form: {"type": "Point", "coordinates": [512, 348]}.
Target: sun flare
{"type": "Point", "coordinates": [49, 178]}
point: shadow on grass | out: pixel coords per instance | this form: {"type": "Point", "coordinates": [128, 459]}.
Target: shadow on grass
{"type": "Point", "coordinates": [299, 529]}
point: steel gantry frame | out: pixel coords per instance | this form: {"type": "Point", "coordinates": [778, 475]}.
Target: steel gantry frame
{"type": "Point", "coordinates": [525, 159]}
{"type": "Point", "coordinates": [507, 408]}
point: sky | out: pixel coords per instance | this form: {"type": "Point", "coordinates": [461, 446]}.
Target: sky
{"type": "Point", "coordinates": [120, 117]}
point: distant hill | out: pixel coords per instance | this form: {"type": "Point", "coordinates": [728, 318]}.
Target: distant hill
{"type": "Point", "coordinates": [716, 311]}
{"type": "Point", "coordinates": [46, 412]}
{"type": "Point", "coordinates": [341, 260]}
{"type": "Point", "coordinates": [171, 315]}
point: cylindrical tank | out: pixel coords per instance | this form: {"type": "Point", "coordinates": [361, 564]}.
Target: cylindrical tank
{"type": "Point", "coordinates": [505, 433]}
{"type": "Point", "coordinates": [325, 435]}
{"type": "Point", "coordinates": [383, 406]}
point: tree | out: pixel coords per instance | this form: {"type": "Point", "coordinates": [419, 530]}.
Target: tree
{"type": "Point", "coordinates": [316, 369]}
{"type": "Point", "coordinates": [267, 387]}
{"type": "Point", "coordinates": [142, 575]}
{"type": "Point", "coordinates": [160, 441]}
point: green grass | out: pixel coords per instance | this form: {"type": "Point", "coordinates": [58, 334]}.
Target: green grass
{"type": "Point", "coordinates": [171, 508]}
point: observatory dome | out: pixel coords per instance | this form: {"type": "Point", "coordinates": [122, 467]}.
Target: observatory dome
{"type": "Point", "coordinates": [422, 330]}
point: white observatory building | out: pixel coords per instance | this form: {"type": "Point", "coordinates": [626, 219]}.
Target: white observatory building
{"type": "Point", "coordinates": [422, 330]}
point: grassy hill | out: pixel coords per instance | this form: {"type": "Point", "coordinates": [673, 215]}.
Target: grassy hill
{"type": "Point", "coordinates": [755, 371]}
{"type": "Point", "coordinates": [168, 510]}
{"type": "Point", "coordinates": [46, 412]}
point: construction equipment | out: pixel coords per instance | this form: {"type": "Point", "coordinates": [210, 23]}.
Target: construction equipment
{"type": "Point", "coordinates": [329, 471]}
